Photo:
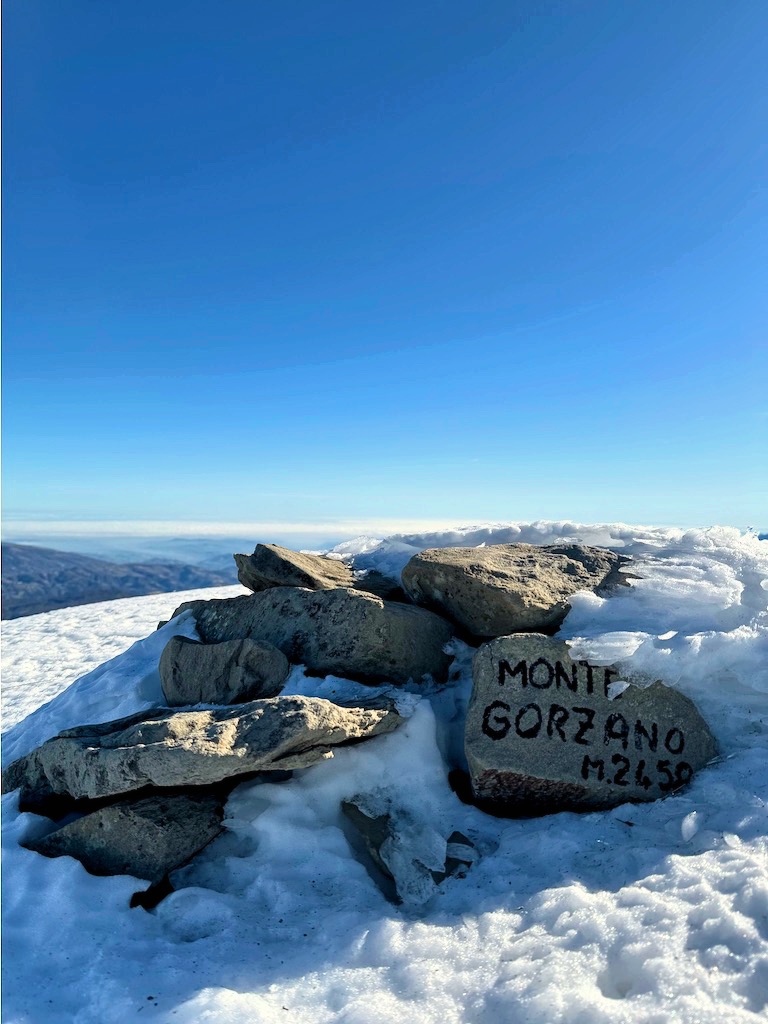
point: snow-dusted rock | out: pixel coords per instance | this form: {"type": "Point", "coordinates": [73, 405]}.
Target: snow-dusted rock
{"type": "Point", "coordinates": [507, 588]}
{"type": "Point", "coordinates": [147, 837]}
{"type": "Point", "coordinates": [406, 850]}
{"type": "Point", "coordinates": [339, 632]}
{"type": "Point", "coordinates": [190, 748]}
{"type": "Point", "coordinates": [546, 733]}
{"type": "Point", "coordinates": [231, 672]}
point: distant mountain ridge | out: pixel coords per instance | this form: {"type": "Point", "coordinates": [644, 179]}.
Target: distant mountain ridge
{"type": "Point", "coordinates": [36, 579]}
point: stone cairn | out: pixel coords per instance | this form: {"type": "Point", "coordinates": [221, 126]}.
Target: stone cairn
{"type": "Point", "coordinates": [143, 795]}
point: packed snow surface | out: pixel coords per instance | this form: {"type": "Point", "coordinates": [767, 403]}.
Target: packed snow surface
{"type": "Point", "coordinates": [654, 913]}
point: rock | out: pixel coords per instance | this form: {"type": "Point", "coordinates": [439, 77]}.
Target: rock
{"type": "Point", "coordinates": [460, 855]}
{"type": "Point", "coordinates": [190, 748]}
{"type": "Point", "coordinates": [339, 632]}
{"type": "Point", "coordinates": [507, 588]}
{"type": "Point", "coordinates": [374, 829]}
{"type": "Point", "coordinates": [146, 837]}
{"type": "Point", "coordinates": [231, 672]}
{"type": "Point", "coordinates": [371, 581]}
{"type": "Point", "coordinates": [271, 565]}
{"type": "Point", "coordinates": [406, 851]}
{"type": "Point", "coordinates": [542, 733]}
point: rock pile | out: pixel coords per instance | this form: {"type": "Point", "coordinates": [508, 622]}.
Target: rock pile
{"type": "Point", "coordinates": [339, 632]}
{"type": "Point", "coordinates": [146, 793]}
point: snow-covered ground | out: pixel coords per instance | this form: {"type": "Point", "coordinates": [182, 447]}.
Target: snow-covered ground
{"type": "Point", "coordinates": [653, 913]}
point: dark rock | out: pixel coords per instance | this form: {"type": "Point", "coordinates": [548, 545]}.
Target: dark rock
{"type": "Point", "coordinates": [507, 588]}
{"type": "Point", "coordinates": [146, 838]}
{"type": "Point", "coordinates": [374, 582]}
{"type": "Point", "coordinates": [149, 898]}
{"type": "Point", "coordinates": [544, 734]}
{"type": "Point", "coordinates": [333, 632]}
{"type": "Point", "coordinates": [373, 829]}
{"type": "Point", "coordinates": [231, 672]}
{"type": "Point", "coordinates": [461, 855]}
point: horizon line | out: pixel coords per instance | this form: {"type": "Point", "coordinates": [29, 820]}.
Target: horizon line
{"type": "Point", "coordinates": [206, 528]}
{"type": "Point", "coordinates": [348, 528]}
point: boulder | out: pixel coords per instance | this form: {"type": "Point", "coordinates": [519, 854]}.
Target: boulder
{"type": "Point", "coordinates": [507, 588]}
{"type": "Point", "coordinates": [231, 672]}
{"type": "Point", "coordinates": [271, 565]}
{"type": "Point", "coordinates": [545, 733]}
{"type": "Point", "coordinates": [339, 632]}
{"type": "Point", "coordinates": [147, 837]}
{"type": "Point", "coordinates": [190, 748]}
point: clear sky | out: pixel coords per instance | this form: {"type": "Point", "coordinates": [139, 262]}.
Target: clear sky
{"type": "Point", "coordinates": [311, 261]}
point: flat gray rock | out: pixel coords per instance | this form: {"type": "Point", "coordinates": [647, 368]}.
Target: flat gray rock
{"type": "Point", "coordinates": [190, 748]}
{"type": "Point", "coordinates": [507, 588]}
{"type": "Point", "coordinates": [339, 632]}
{"type": "Point", "coordinates": [542, 733]}
{"type": "Point", "coordinates": [147, 837]}
{"type": "Point", "coordinates": [231, 672]}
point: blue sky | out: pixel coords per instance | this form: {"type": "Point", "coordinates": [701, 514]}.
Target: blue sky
{"type": "Point", "coordinates": [310, 262]}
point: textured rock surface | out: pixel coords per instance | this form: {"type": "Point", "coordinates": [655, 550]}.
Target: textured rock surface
{"type": "Point", "coordinates": [340, 632]}
{"type": "Point", "coordinates": [271, 565]}
{"type": "Point", "coordinates": [543, 735]}
{"type": "Point", "coordinates": [507, 588]}
{"type": "Point", "coordinates": [231, 672]}
{"type": "Point", "coordinates": [146, 838]}
{"type": "Point", "coordinates": [190, 748]}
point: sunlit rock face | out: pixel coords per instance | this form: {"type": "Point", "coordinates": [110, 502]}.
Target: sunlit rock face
{"type": "Point", "coordinates": [190, 748]}
{"type": "Point", "coordinates": [507, 588]}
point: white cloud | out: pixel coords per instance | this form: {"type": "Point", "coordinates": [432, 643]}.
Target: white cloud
{"type": "Point", "coordinates": [165, 528]}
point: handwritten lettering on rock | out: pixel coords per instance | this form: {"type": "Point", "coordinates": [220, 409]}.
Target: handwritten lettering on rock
{"type": "Point", "coordinates": [538, 721]}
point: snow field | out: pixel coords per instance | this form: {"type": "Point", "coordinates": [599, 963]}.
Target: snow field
{"type": "Point", "coordinates": [646, 914]}
{"type": "Point", "coordinates": [43, 654]}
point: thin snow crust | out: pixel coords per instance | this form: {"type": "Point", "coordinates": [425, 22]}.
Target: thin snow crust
{"type": "Point", "coordinates": [654, 913]}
